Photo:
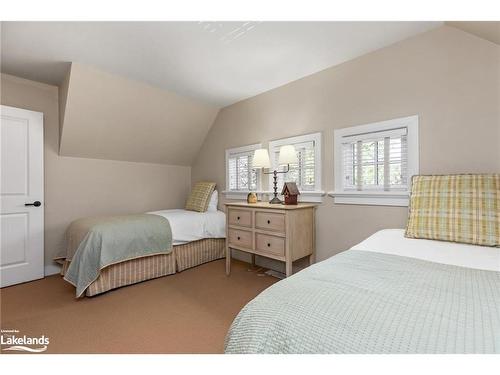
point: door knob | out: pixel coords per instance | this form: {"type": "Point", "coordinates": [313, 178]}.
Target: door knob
{"type": "Point", "coordinates": [35, 203]}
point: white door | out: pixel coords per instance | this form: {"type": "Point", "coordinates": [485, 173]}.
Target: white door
{"type": "Point", "coordinates": [21, 196]}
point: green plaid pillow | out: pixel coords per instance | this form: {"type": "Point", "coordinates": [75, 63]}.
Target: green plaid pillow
{"type": "Point", "coordinates": [200, 196]}
{"type": "Point", "coordinates": [458, 208]}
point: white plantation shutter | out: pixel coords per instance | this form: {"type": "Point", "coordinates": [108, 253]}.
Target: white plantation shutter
{"type": "Point", "coordinates": [376, 160]}
{"type": "Point", "coordinates": [302, 173]}
{"type": "Point", "coordinates": [241, 176]}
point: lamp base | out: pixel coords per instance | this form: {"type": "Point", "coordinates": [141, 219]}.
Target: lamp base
{"type": "Point", "coordinates": [275, 200]}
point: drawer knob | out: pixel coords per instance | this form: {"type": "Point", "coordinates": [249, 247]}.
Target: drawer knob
{"type": "Point", "coordinates": [268, 244]}
{"type": "Point", "coordinates": [238, 237]}
{"type": "Point", "coordinates": [269, 221]}
{"type": "Point", "coordinates": [238, 218]}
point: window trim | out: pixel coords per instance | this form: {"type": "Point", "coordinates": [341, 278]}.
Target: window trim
{"type": "Point", "coordinates": [373, 197]}
{"type": "Point", "coordinates": [317, 194]}
{"type": "Point", "coordinates": [240, 194]}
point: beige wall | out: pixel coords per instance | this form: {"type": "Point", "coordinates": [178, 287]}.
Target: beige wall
{"type": "Point", "coordinates": [450, 78]}
{"type": "Point", "coordinates": [115, 118]}
{"type": "Point", "coordinates": [78, 187]}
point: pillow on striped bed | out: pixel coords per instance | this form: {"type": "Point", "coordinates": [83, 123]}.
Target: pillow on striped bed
{"type": "Point", "coordinates": [200, 196]}
{"type": "Point", "coordinates": [457, 208]}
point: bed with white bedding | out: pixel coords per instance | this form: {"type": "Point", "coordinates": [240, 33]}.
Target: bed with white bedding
{"type": "Point", "coordinates": [188, 226]}
{"type": "Point", "coordinates": [393, 241]}
{"type": "Point", "coordinates": [197, 238]}
{"type": "Point", "coordinates": [388, 294]}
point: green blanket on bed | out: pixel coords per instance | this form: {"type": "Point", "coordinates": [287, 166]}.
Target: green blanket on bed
{"type": "Point", "coordinates": [367, 302]}
{"type": "Point", "coordinates": [116, 239]}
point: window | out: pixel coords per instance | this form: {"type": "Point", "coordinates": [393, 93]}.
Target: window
{"type": "Point", "coordinates": [240, 177]}
{"type": "Point", "coordinates": [374, 162]}
{"type": "Point", "coordinates": [307, 172]}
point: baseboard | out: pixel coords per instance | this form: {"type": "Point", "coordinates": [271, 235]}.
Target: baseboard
{"type": "Point", "coordinates": [52, 269]}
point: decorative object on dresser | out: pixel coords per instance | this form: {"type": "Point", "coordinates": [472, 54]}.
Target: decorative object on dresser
{"type": "Point", "coordinates": [283, 233]}
{"type": "Point", "coordinates": [287, 156]}
{"type": "Point", "coordinates": [291, 192]}
{"type": "Point", "coordinates": [252, 197]}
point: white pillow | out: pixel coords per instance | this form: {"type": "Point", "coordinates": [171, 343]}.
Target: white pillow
{"type": "Point", "coordinates": [214, 200]}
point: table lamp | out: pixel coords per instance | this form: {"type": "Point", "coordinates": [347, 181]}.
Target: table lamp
{"type": "Point", "coordinates": [287, 156]}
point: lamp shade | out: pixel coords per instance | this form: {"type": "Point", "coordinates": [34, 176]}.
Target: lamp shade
{"type": "Point", "coordinates": [288, 155]}
{"type": "Point", "coordinates": [261, 159]}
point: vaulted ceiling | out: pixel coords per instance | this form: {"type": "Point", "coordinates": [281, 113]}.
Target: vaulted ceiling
{"type": "Point", "coordinates": [216, 62]}
{"type": "Point", "coordinates": [489, 30]}
{"type": "Point", "coordinates": [150, 91]}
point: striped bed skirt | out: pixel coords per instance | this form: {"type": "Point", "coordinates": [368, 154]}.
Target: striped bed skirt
{"type": "Point", "coordinates": [136, 270]}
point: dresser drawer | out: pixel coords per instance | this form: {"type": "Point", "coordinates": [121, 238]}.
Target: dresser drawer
{"type": "Point", "coordinates": [270, 221]}
{"type": "Point", "coordinates": [240, 238]}
{"type": "Point", "coordinates": [269, 244]}
{"type": "Point", "coordinates": [240, 217]}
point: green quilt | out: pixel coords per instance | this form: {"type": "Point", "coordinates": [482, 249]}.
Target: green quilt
{"type": "Point", "coordinates": [116, 239]}
{"type": "Point", "coordinates": [367, 302]}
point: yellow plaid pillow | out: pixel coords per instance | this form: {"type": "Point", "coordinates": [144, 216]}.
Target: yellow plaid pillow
{"type": "Point", "coordinates": [458, 208]}
{"type": "Point", "coordinates": [200, 196]}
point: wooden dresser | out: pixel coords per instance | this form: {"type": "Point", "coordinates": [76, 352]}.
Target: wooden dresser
{"type": "Point", "coordinates": [276, 231]}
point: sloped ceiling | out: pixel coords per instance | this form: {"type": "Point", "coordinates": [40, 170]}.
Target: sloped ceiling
{"type": "Point", "coordinates": [489, 30]}
{"type": "Point", "coordinates": [150, 91]}
{"type": "Point", "coordinates": [104, 116]}
{"type": "Point", "coordinates": [219, 63]}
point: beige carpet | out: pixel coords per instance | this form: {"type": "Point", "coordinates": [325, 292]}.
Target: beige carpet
{"type": "Point", "coordinates": [189, 312]}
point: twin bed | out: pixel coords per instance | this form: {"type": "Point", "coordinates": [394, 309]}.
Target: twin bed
{"type": "Point", "coordinates": [388, 294]}
{"type": "Point", "coordinates": [192, 238]}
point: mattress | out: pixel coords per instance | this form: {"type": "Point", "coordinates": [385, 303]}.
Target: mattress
{"type": "Point", "coordinates": [393, 241]}
{"type": "Point", "coordinates": [382, 296]}
{"type": "Point", "coordinates": [188, 226]}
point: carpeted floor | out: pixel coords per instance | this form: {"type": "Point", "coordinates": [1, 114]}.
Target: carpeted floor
{"type": "Point", "coordinates": [189, 312]}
